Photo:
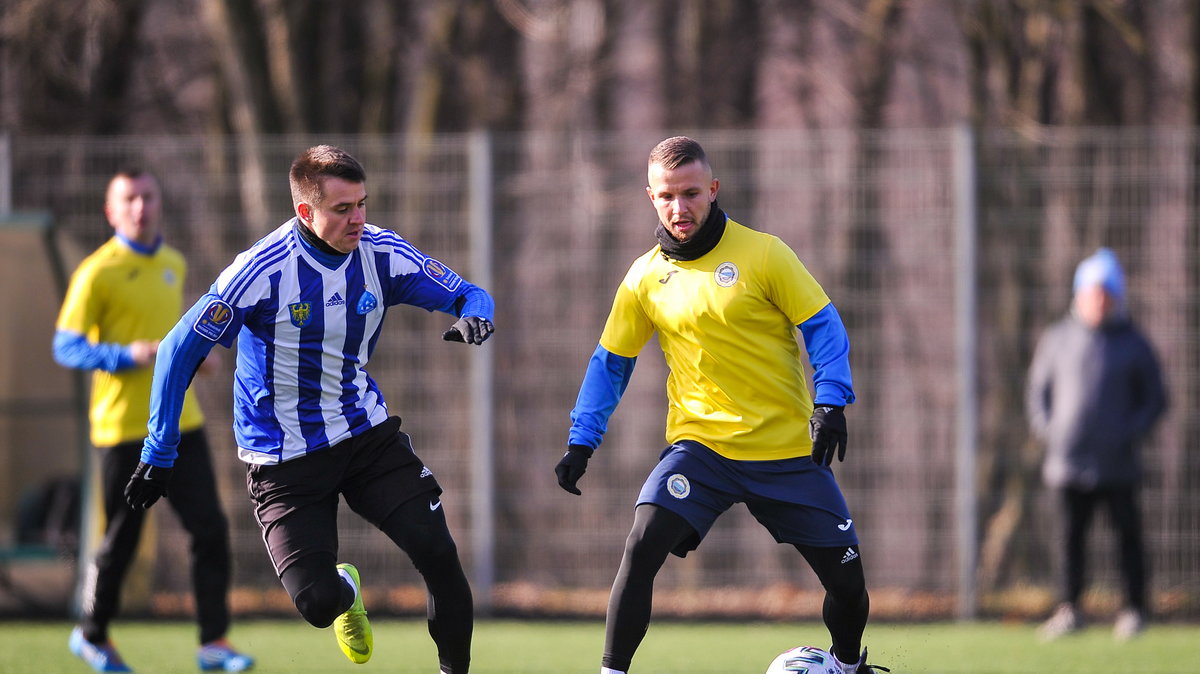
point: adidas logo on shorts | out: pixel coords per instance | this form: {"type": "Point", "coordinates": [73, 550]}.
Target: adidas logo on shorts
{"type": "Point", "coordinates": [850, 556]}
{"type": "Point", "coordinates": [425, 472]}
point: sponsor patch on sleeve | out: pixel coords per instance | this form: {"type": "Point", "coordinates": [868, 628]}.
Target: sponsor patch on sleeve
{"type": "Point", "coordinates": [213, 320]}
{"type": "Point", "coordinates": [441, 274]}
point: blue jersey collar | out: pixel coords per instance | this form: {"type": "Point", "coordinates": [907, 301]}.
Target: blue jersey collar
{"type": "Point", "coordinates": [139, 248]}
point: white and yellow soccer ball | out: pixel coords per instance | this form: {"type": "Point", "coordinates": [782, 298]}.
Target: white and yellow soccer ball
{"type": "Point", "coordinates": [805, 660]}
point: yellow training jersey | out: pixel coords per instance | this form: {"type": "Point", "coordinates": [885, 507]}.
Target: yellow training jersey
{"type": "Point", "coordinates": [727, 326]}
{"type": "Point", "coordinates": [118, 295]}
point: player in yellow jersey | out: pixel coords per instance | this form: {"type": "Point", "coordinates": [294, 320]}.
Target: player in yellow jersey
{"type": "Point", "coordinates": [122, 299]}
{"type": "Point", "coordinates": [725, 302]}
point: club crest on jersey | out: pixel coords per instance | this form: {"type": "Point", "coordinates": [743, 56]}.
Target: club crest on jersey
{"type": "Point", "coordinates": [726, 274]}
{"type": "Point", "coordinates": [440, 273]}
{"type": "Point", "coordinates": [678, 486]}
{"type": "Point", "coordinates": [366, 302]}
{"type": "Point", "coordinates": [213, 321]}
{"type": "Point", "coordinates": [301, 313]}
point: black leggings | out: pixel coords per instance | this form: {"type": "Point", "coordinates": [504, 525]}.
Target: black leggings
{"type": "Point", "coordinates": [1121, 503]}
{"type": "Point", "coordinates": [657, 531]}
{"type": "Point", "coordinates": [193, 496]}
{"type": "Point", "coordinates": [321, 595]}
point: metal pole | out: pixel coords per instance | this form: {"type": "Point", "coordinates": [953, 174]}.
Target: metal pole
{"type": "Point", "coordinates": [89, 531]}
{"type": "Point", "coordinates": [966, 345]}
{"type": "Point", "coordinates": [5, 173]}
{"type": "Point", "coordinates": [483, 487]}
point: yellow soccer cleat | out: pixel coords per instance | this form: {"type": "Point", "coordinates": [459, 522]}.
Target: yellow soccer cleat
{"type": "Point", "coordinates": [352, 628]}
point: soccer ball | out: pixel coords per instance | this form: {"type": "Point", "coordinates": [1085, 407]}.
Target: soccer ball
{"type": "Point", "coordinates": [805, 660]}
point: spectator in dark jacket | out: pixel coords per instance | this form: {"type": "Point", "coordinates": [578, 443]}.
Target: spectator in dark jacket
{"type": "Point", "coordinates": [1095, 392]}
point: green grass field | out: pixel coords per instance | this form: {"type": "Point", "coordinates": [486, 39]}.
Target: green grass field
{"type": "Point", "coordinates": [540, 647]}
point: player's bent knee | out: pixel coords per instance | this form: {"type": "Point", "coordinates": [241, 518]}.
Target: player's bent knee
{"type": "Point", "coordinates": [654, 534]}
{"type": "Point", "coordinates": [318, 606]}
{"type": "Point", "coordinates": [643, 553]}
{"type": "Point", "coordinates": [320, 602]}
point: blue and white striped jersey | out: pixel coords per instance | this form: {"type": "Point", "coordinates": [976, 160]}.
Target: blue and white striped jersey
{"type": "Point", "coordinates": [306, 323]}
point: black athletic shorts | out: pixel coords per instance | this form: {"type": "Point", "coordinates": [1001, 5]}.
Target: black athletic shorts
{"type": "Point", "coordinates": [296, 501]}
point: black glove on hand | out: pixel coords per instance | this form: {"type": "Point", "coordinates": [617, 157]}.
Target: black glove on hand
{"type": "Point", "coordinates": [572, 466]}
{"type": "Point", "coordinates": [827, 428]}
{"type": "Point", "coordinates": [147, 485]}
{"type": "Point", "coordinates": [469, 329]}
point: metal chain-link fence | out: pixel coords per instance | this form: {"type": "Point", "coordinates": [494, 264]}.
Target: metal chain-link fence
{"type": "Point", "coordinates": [877, 218]}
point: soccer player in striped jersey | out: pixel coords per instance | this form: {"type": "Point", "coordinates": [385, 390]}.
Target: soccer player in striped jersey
{"type": "Point", "coordinates": [725, 301]}
{"type": "Point", "coordinates": [306, 304]}
{"type": "Point", "coordinates": [121, 300]}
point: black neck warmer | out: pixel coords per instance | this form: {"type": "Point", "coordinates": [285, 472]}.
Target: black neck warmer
{"type": "Point", "coordinates": [315, 241]}
{"type": "Point", "coordinates": [703, 241]}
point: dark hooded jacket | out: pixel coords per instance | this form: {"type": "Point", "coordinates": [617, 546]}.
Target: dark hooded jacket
{"type": "Point", "coordinates": [1093, 395]}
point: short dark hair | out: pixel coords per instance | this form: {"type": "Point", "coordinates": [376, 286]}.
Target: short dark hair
{"type": "Point", "coordinates": [677, 151]}
{"type": "Point", "coordinates": [130, 173]}
{"type": "Point", "coordinates": [317, 162]}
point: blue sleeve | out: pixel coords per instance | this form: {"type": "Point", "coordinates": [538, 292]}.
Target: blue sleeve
{"type": "Point", "coordinates": [433, 286]}
{"type": "Point", "coordinates": [829, 353]}
{"type": "Point", "coordinates": [474, 301]}
{"type": "Point", "coordinates": [603, 385]}
{"type": "Point", "coordinates": [179, 354]}
{"type": "Point", "coordinates": [72, 349]}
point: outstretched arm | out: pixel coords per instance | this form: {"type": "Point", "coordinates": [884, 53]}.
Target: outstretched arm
{"type": "Point", "coordinates": [179, 356]}
{"type": "Point", "coordinates": [603, 385]}
{"type": "Point", "coordinates": [475, 309]}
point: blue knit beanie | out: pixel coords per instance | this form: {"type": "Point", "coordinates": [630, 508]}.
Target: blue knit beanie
{"type": "Point", "coordinates": [1102, 269]}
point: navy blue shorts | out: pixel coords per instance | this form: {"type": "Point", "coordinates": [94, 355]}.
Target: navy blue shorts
{"type": "Point", "coordinates": [798, 501]}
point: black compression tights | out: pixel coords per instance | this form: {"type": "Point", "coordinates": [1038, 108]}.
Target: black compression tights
{"type": "Point", "coordinates": [321, 595]}
{"type": "Point", "coordinates": [656, 532]}
{"type": "Point", "coordinates": [846, 601]}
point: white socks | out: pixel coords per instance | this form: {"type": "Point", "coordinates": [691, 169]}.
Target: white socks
{"type": "Point", "coordinates": [606, 670]}
{"type": "Point", "coordinates": [350, 580]}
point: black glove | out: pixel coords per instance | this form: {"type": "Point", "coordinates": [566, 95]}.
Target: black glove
{"type": "Point", "coordinates": [469, 329]}
{"type": "Point", "coordinates": [147, 485]}
{"type": "Point", "coordinates": [572, 466]}
{"type": "Point", "coordinates": [827, 428]}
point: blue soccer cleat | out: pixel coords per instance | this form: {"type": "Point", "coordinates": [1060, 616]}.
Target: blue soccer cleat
{"type": "Point", "coordinates": [100, 657]}
{"type": "Point", "coordinates": [219, 656]}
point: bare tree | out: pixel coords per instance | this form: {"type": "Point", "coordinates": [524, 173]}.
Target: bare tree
{"type": "Point", "coordinates": [68, 65]}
